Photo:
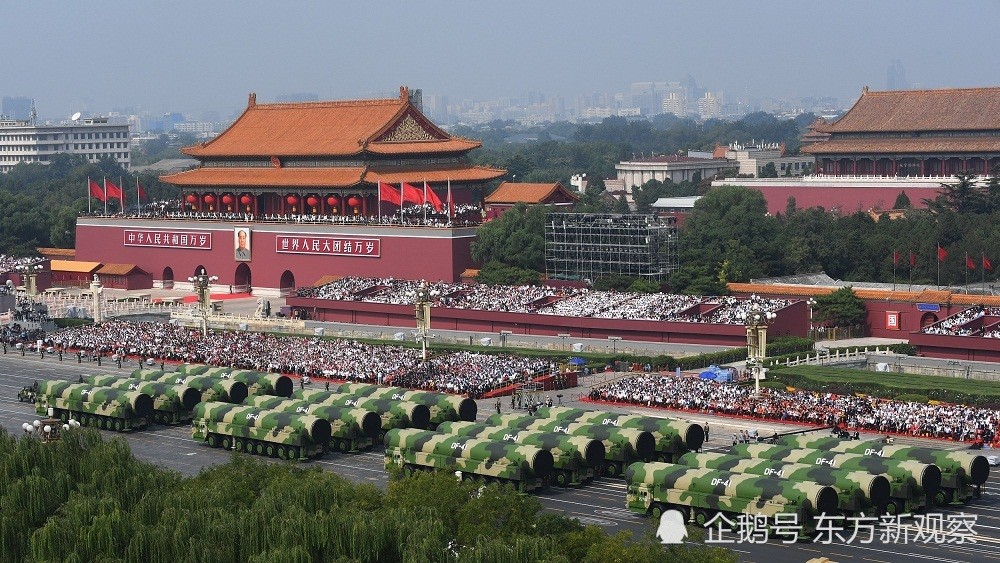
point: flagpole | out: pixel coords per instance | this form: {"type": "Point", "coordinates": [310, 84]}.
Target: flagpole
{"type": "Point", "coordinates": [966, 273]}
{"type": "Point", "coordinates": [895, 261]}
{"type": "Point", "coordinates": [425, 201]}
{"type": "Point", "coordinates": [451, 204]}
{"type": "Point", "coordinates": [105, 195]}
{"type": "Point", "coordinates": [138, 200]}
{"type": "Point", "coordinates": [121, 193]}
{"type": "Point", "coordinates": [982, 274]}
{"type": "Point", "coordinates": [89, 210]}
{"type": "Point", "coordinates": [379, 185]}
{"type": "Point", "coordinates": [401, 200]}
{"type": "Point", "coordinates": [912, 260]}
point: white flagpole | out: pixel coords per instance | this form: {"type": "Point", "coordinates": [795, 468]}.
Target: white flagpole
{"type": "Point", "coordinates": [401, 203]}
{"type": "Point", "coordinates": [138, 200]}
{"type": "Point", "coordinates": [451, 204]}
{"type": "Point", "coordinates": [121, 193]}
{"type": "Point", "coordinates": [89, 210]}
{"type": "Point", "coordinates": [105, 195]}
{"type": "Point", "coordinates": [379, 200]}
{"type": "Point", "coordinates": [425, 200]}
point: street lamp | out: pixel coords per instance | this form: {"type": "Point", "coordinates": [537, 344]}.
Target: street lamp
{"type": "Point", "coordinates": [28, 273]}
{"type": "Point", "coordinates": [202, 283]}
{"type": "Point", "coordinates": [422, 298]}
{"type": "Point", "coordinates": [503, 337]}
{"type": "Point", "coordinates": [614, 343]}
{"type": "Point", "coordinates": [564, 337]}
{"type": "Point", "coordinates": [811, 303]}
{"type": "Point", "coordinates": [756, 323]}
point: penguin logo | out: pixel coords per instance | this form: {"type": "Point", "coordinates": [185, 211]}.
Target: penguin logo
{"type": "Point", "coordinates": [671, 529]}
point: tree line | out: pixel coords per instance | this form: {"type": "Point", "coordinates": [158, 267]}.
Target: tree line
{"type": "Point", "coordinates": [83, 498]}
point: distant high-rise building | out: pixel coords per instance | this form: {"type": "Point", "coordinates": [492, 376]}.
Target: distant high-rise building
{"type": "Point", "coordinates": [896, 76]}
{"type": "Point", "coordinates": [92, 137]}
{"type": "Point", "coordinates": [16, 107]}
{"type": "Point", "coordinates": [675, 103]}
{"type": "Point", "coordinates": [710, 106]}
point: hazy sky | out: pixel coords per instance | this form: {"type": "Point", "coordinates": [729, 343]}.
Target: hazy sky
{"type": "Point", "coordinates": [194, 56]}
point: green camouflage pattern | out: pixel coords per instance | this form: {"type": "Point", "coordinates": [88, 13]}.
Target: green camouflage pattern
{"type": "Point", "coordinates": [962, 473]}
{"type": "Point", "coordinates": [257, 382]}
{"type": "Point", "coordinates": [673, 436]}
{"type": "Point", "coordinates": [622, 445]}
{"type": "Point", "coordinates": [351, 429]}
{"type": "Point", "coordinates": [699, 493]}
{"type": "Point", "coordinates": [92, 405]}
{"type": "Point", "coordinates": [444, 407]}
{"type": "Point", "coordinates": [211, 389]}
{"type": "Point", "coordinates": [172, 404]}
{"type": "Point", "coordinates": [260, 431]}
{"type": "Point", "coordinates": [526, 466]}
{"type": "Point", "coordinates": [912, 484]}
{"type": "Point", "coordinates": [577, 459]}
{"type": "Point", "coordinates": [859, 492]}
{"type": "Point", "coordinates": [394, 412]}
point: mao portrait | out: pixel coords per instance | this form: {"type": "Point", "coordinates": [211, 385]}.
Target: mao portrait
{"type": "Point", "coordinates": [241, 244]}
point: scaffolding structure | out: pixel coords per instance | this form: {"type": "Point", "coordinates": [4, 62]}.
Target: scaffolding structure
{"type": "Point", "coordinates": [588, 246]}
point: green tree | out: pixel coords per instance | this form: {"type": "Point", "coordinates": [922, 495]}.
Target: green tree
{"type": "Point", "coordinates": [963, 196]}
{"type": "Point", "coordinates": [841, 308]}
{"type": "Point", "coordinates": [497, 512]}
{"type": "Point", "coordinates": [516, 239]}
{"type": "Point", "coordinates": [768, 171]}
{"type": "Point", "coordinates": [644, 286]}
{"type": "Point", "coordinates": [697, 279]}
{"type": "Point", "coordinates": [495, 273]}
{"type": "Point", "coordinates": [902, 201]}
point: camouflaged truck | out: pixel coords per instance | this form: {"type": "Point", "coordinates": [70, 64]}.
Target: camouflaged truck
{"type": "Point", "coordinates": [257, 382]}
{"type": "Point", "coordinates": [394, 412]}
{"type": "Point", "coordinates": [860, 493]}
{"type": "Point", "coordinates": [444, 407]}
{"type": "Point", "coordinates": [700, 494]}
{"type": "Point", "coordinates": [962, 474]}
{"type": "Point", "coordinates": [172, 404]}
{"type": "Point", "coordinates": [673, 437]}
{"type": "Point", "coordinates": [622, 445]}
{"type": "Point", "coordinates": [91, 405]}
{"type": "Point", "coordinates": [912, 485]}
{"type": "Point", "coordinates": [351, 429]}
{"type": "Point", "coordinates": [526, 467]}
{"type": "Point", "coordinates": [260, 431]}
{"type": "Point", "coordinates": [577, 459]}
{"type": "Point", "coordinates": [211, 389]}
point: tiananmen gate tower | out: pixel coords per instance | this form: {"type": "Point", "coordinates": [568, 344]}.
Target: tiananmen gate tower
{"type": "Point", "coordinates": [293, 192]}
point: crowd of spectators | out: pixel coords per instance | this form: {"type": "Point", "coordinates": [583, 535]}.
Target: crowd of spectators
{"type": "Point", "coordinates": [547, 300]}
{"type": "Point", "coordinates": [955, 325]}
{"type": "Point", "coordinates": [12, 263]}
{"type": "Point", "coordinates": [459, 372]}
{"type": "Point", "coordinates": [957, 422]}
{"type": "Point", "coordinates": [417, 215]}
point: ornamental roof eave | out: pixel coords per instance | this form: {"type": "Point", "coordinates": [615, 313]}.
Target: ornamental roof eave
{"type": "Point", "coordinates": [922, 145]}
{"type": "Point", "coordinates": [949, 109]}
{"type": "Point", "coordinates": [325, 178]}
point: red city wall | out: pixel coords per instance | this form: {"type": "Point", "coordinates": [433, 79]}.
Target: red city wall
{"type": "Point", "coordinates": [414, 253]}
{"type": "Point", "coordinates": [792, 320]}
{"type": "Point", "coordinates": [846, 199]}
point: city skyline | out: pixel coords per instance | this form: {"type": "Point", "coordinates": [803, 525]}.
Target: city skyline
{"type": "Point", "coordinates": [160, 58]}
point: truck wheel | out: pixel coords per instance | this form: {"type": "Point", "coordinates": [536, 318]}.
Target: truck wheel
{"type": "Point", "coordinates": [562, 479]}
{"type": "Point", "coordinates": [226, 442]}
{"type": "Point", "coordinates": [270, 451]}
{"type": "Point", "coordinates": [293, 452]}
{"type": "Point", "coordinates": [612, 469]}
{"type": "Point", "coordinates": [119, 426]}
{"type": "Point", "coordinates": [344, 446]}
{"type": "Point", "coordinates": [702, 516]}
{"type": "Point", "coordinates": [656, 510]}
{"type": "Point", "coordinates": [238, 444]}
{"type": "Point", "coordinates": [894, 507]}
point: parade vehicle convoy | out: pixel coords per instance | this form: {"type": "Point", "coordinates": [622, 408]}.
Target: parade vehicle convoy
{"type": "Point", "coordinates": [526, 467]}
{"type": "Point", "coordinates": [92, 405]}
{"type": "Point", "coordinates": [262, 432]}
{"type": "Point", "coordinates": [577, 459]}
{"type": "Point", "coordinates": [351, 429]}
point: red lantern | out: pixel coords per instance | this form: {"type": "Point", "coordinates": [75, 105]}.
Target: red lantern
{"type": "Point", "coordinates": [333, 200]}
{"type": "Point", "coordinates": [246, 200]}
{"type": "Point", "coordinates": [312, 201]}
{"type": "Point", "coordinates": [227, 199]}
{"type": "Point", "coordinates": [354, 201]}
{"type": "Point", "coordinates": [210, 199]}
{"type": "Point", "coordinates": [192, 198]}
{"type": "Point", "coordinates": [292, 199]}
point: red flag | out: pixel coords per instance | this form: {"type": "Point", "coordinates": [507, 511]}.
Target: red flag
{"type": "Point", "coordinates": [895, 257]}
{"type": "Point", "coordinates": [970, 263]}
{"type": "Point", "coordinates": [412, 194]}
{"type": "Point", "coordinates": [387, 193]}
{"type": "Point", "coordinates": [141, 192]}
{"type": "Point", "coordinates": [96, 191]}
{"type": "Point", "coordinates": [432, 197]}
{"type": "Point", "coordinates": [113, 190]}
{"type": "Point", "coordinates": [942, 254]}
{"type": "Point", "coordinates": [987, 265]}
{"type": "Point", "coordinates": [913, 259]}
